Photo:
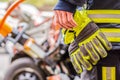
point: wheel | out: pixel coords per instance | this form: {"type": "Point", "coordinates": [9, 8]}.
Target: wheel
{"type": "Point", "coordinates": [24, 69]}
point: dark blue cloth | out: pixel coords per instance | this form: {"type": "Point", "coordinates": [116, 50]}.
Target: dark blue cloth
{"type": "Point", "coordinates": [65, 6]}
{"type": "Point", "coordinates": [70, 5]}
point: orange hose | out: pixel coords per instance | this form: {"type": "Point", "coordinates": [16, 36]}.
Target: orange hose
{"type": "Point", "coordinates": [9, 10]}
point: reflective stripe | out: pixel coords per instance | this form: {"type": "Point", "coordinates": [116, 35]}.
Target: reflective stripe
{"type": "Point", "coordinates": [113, 75]}
{"type": "Point", "coordinates": [112, 34]}
{"type": "Point", "coordinates": [103, 11]}
{"type": "Point", "coordinates": [108, 73]}
{"type": "Point", "coordinates": [104, 73]}
{"type": "Point", "coordinates": [101, 20]}
{"type": "Point", "coordinates": [104, 16]}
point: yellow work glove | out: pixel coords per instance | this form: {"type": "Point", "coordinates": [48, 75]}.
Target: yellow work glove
{"type": "Point", "coordinates": [87, 43]}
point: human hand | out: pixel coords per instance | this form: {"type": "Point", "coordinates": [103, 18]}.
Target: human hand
{"type": "Point", "coordinates": [64, 19]}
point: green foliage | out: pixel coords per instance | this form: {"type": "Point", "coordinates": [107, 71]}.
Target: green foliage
{"type": "Point", "coordinates": [38, 3]}
{"type": "Point", "coordinates": [3, 0]}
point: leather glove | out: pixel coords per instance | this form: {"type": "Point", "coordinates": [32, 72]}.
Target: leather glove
{"type": "Point", "coordinates": [89, 43]}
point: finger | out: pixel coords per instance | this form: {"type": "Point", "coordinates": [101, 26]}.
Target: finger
{"type": "Point", "coordinates": [83, 61]}
{"type": "Point", "coordinates": [60, 19]}
{"type": "Point", "coordinates": [59, 16]}
{"type": "Point", "coordinates": [77, 67]}
{"type": "Point", "coordinates": [56, 22]}
{"type": "Point", "coordinates": [104, 41]}
{"type": "Point", "coordinates": [71, 20]}
{"type": "Point", "coordinates": [92, 52]}
{"type": "Point", "coordinates": [84, 52]}
{"type": "Point", "coordinates": [55, 19]}
{"type": "Point", "coordinates": [99, 48]}
{"type": "Point", "coordinates": [65, 20]}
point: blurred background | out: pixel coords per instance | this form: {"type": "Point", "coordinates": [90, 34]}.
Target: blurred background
{"type": "Point", "coordinates": [40, 4]}
{"type": "Point", "coordinates": [39, 13]}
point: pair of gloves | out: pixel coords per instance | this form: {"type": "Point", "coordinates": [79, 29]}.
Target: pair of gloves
{"type": "Point", "coordinates": [87, 43]}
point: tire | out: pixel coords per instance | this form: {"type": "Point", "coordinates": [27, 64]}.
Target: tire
{"type": "Point", "coordinates": [24, 67]}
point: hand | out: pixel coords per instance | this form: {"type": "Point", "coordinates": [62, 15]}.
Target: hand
{"type": "Point", "coordinates": [89, 44]}
{"type": "Point", "coordinates": [64, 19]}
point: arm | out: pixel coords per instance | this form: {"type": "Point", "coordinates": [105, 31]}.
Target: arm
{"type": "Point", "coordinates": [64, 13]}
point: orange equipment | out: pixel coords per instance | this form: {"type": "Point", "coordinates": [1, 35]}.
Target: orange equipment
{"type": "Point", "coordinates": [5, 29]}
